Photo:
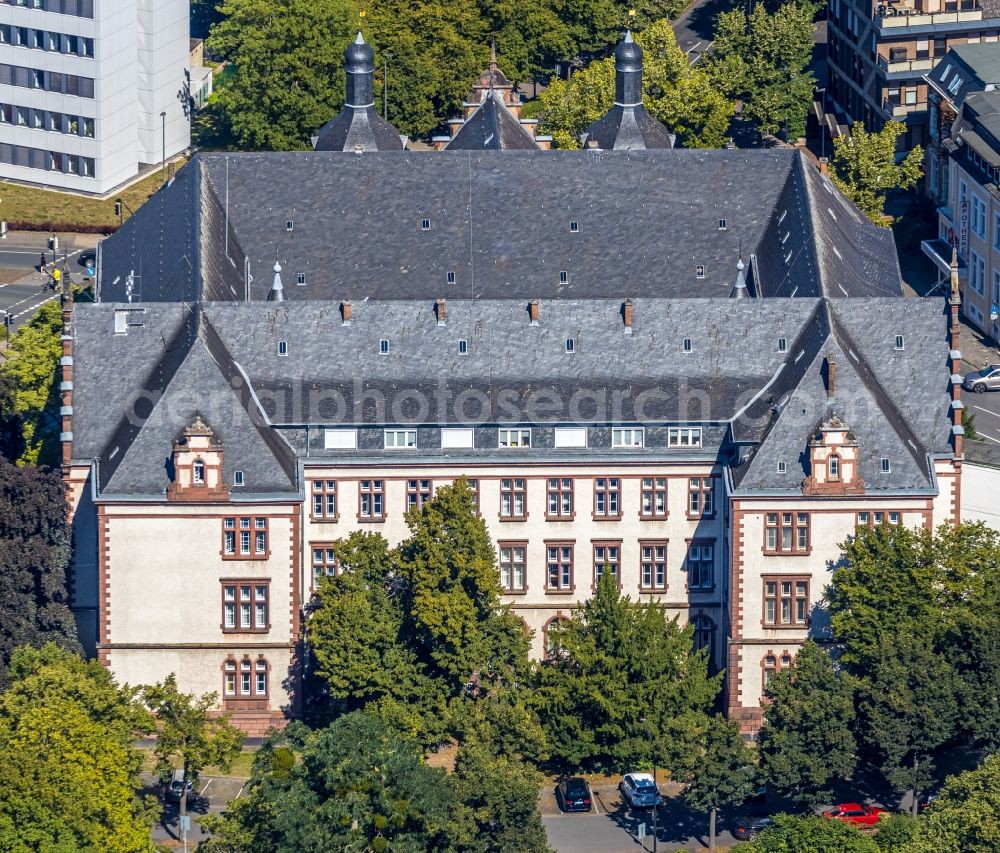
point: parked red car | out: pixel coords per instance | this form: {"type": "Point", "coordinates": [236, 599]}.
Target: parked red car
{"type": "Point", "coordinates": [855, 813]}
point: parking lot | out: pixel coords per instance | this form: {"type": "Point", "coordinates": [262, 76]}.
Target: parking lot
{"type": "Point", "coordinates": [210, 797]}
{"type": "Point", "coordinates": [611, 827]}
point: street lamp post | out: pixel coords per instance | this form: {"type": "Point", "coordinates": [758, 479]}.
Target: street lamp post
{"type": "Point", "coordinates": [822, 126]}
{"type": "Point", "coordinates": [163, 160]}
{"type": "Point", "coordinates": [385, 85]}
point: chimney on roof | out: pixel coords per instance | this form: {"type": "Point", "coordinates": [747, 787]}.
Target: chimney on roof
{"type": "Point", "coordinates": [831, 376]}
{"type": "Point", "coordinates": [439, 311]}
{"type": "Point", "coordinates": [345, 312]}
{"type": "Point", "coordinates": [627, 316]}
{"type": "Point", "coordinates": [824, 165]}
{"type": "Point", "coordinates": [533, 309]}
{"type": "Point", "coordinates": [277, 293]}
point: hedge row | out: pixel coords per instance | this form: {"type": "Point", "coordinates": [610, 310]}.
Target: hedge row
{"type": "Point", "coordinates": [61, 227]}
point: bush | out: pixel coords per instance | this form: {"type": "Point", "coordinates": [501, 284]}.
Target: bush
{"type": "Point", "coordinates": [61, 227]}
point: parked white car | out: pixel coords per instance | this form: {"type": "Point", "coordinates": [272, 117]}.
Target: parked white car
{"type": "Point", "coordinates": [639, 790]}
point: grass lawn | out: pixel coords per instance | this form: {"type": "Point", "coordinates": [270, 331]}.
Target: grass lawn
{"type": "Point", "coordinates": [32, 205]}
{"type": "Point", "coordinates": [239, 769]}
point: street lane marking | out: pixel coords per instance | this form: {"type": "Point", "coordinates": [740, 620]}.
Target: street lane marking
{"type": "Point", "coordinates": [974, 406]}
{"type": "Point", "coordinates": [202, 792]}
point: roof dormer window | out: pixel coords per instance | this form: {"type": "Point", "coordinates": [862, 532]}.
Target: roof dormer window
{"type": "Point", "coordinates": [570, 345]}
{"type": "Point", "coordinates": [699, 271]}
{"type": "Point", "coordinates": [899, 342]}
{"type": "Point", "coordinates": [289, 225]}
{"type": "Point", "coordinates": [425, 225]}
{"type": "Point", "coordinates": [686, 345]}
{"type": "Point", "coordinates": [574, 226]}
{"type": "Point", "coordinates": [782, 345]}
{"type": "Point", "coordinates": [563, 276]}
{"type": "Point", "coordinates": [383, 347]}
{"type": "Point", "coordinates": [450, 277]}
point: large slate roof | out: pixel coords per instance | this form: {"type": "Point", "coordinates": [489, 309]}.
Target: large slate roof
{"type": "Point", "coordinates": [135, 392]}
{"type": "Point", "coordinates": [647, 221]}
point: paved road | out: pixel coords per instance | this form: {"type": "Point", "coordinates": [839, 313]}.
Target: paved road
{"type": "Point", "coordinates": [695, 28]}
{"type": "Point", "coordinates": [211, 796]}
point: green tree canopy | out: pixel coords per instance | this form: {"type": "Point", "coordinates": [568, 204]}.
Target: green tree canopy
{"type": "Point", "coordinates": [186, 731]}
{"type": "Point", "coordinates": [35, 544]}
{"type": "Point", "coordinates": [761, 58]}
{"type": "Point", "coordinates": [809, 834]}
{"type": "Point", "coordinates": [807, 741]}
{"type": "Point", "coordinates": [623, 685]}
{"type": "Point", "coordinates": [417, 633]}
{"type": "Point", "coordinates": [966, 816]}
{"type": "Point", "coordinates": [721, 771]}
{"type": "Point", "coordinates": [31, 366]}
{"type": "Point", "coordinates": [359, 785]}
{"type": "Point", "coordinates": [680, 96]}
{"type": "Point", "coordinates": [864, 167]}
{"type": "Point", "coordinates": [69, 775]}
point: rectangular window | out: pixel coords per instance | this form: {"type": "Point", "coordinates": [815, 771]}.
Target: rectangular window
{"type": "Point", "coordinates": [786, 533]}
{"type": "Point", "coordinates": [246, 676]}
{"type": "Point", "coordinates": [701, 565]}
{"type": "Point", "coordinates": [260, 680]}
{"type": "Point", "coordinates": [560, 498]}
{"type": "Point", "coordinates": [371, 500]}
{"type": "Point", "coordinates": [684, 437]}
{"type": "Point", "coordinates": [559, 566]}
{"type": "Point", "coordinates": [607, 498]}
{"type": "Point", "coordinates": [245, 606]}
{"type": "Point", "coordinates": [513, 566]}
{"type": "Point", "coordinates": [513, 498]}
{"type": "Point", "coordinates": [229, 678]}
{"type": "Point", "coordinates": [627, 437]}
{"type": "Point", "coordinates": [607, 555]}
{"type": "Point", "coordinates": [324, 561]}
{"type": "Point", "coordinates": [457, 438]}
{"type": "Point", "coordinates": [515, 438]}
{"type": "Point", "coordinates": [400, 439]}
{"type": "Point", "coordinates": [978, 217]}
{"type": "Point", "coordinates": [786, 602]}
{"type": "Point", "coordinates": [474, 487]}
{"type": "Point", "coordinates": [996, 231]}
{"type": "Point", "coordinates": [873, 519]}
{"type": "Point", "coordinates": [418, 492]}
{"type": "Point", "coordinates": [324, 500]}
{"type": "Point", "coordinates": [570, 437]}
{"type": "Point", "coordinates": [701, 497]}
{"type": "Point", "coordinates": [251, 544]}
{"type": "Point", "coordinates": [977, 273]}
{"type": "Point", "coordinates": [654, 498]}
{"type": "Point", "coordinates": [340, 439]}
{"type": "Point", "coordinates": [653, 566]}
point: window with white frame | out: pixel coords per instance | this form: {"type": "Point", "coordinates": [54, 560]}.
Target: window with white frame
{"type": "Point", "coordinates": [607, 497]}
{"type": "Point", "coordinates": [977, 273]}
{"type": "Point", "coordinates": [654, 498]}
{"type": "Point", "coordinates": [570, 437]}
{"type": "Point", "coordinates": [400, 439]}
{"type": "Point", "coordinates": [340, 439]}
{"type": "Point", "coordinates": [324, 561]}
{"type": "Point", "coordinates": [627, 437]}
{"type": "Point", "coordinates": [996, 231]}
{"type": "Point", "coordinates": [607, 557]}
{"type": "Point", "coordinates": [977, 217]}
{"type": "Point", "coordinates": [653, 566]}
{"type": "Point", "coordinates": [418, 492]}
{"type": "Point", "coordinates": [684, 437]}
{"type": "Point", "coordinates": [512, 566]}
{"type": "Point", "coordinates": [324, 500]}
{"type": "Point", "coordinates": [371, 500]}
{"type": "Point", "coordinates": [245, 606]}
{"type": "Point", "coordinates": [244, 538]}
{"type": "Point", "coordinates": [515, 438]}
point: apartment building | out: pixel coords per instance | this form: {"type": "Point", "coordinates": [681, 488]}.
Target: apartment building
{"type": "Point", "coordinates": [878, 53]}
{"type": "Point", "coordinates": [91, 90]}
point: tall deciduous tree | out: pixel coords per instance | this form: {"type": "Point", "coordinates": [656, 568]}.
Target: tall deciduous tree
{"type": "Point", "coordinates": [288, 78]}
{"type": "Point", "coordinates": [187, 733]}
{"type": "Point", "coordinates": [965, 818]}
{"type": "Point", "coordinates": [11, 432]}
{"type": "Point", "coordinates": [69, 775]}
{"type": "Point", "coordinates": [623, 685]}
{"type": "Point", "coordinates": [31, 365]}
{"type": "Point", "coordinates": [808, 741]}
{"type": "Point", "coordinates": [722, 771]}
{"type": "Point", "coordinates": [864, 167]}
{"type": "Point", "coordinates": [680, 96]}
{"type": "Point", "coordinates": [35, 544]}
{"type": "Point", "coordinates": [761, 58]}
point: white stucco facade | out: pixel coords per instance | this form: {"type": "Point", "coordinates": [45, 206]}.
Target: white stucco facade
{"type": "Point", "coordinates": [81, 95]}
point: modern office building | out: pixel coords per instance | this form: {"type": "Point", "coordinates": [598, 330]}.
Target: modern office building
{"type": "Point", "coordinates": [878, 53]}
{"type": "Point", "coordinates": [91, 90]}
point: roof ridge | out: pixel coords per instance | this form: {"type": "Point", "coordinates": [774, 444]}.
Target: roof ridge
{"type": "Point", "coordinates": [892, 414]}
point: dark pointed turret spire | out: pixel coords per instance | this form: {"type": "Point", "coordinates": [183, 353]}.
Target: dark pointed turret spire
{"type": "Point", "coordinates": [628, 72]}
{"type": "Point", "coordinates": [358, 126]}
{"type": "Point", "coordinates": [359, 63]}
{"type": "Point", "coordinates": [627, 125]}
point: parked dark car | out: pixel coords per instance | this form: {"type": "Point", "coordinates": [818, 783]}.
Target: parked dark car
{"type": "Point", "coordinates": [748, 828]}
{"type": "Point", "coordinates": [176, 786]}
{"type": "Point", "coordinates": [574, 795]}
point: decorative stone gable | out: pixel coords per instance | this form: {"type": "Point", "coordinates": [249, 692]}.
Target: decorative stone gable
{"type": "Point", "coordinates": [197, 462]}
{"type": "Point", "coordinates": [833, 461]}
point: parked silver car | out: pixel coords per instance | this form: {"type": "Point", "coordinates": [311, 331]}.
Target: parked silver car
{"type": "Point", "coordinates": [987, 379]}
{"type": "Point", "coordinates": [639, 791]}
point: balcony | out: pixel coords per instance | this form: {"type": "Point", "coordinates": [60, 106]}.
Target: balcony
{"type": "Point", "coordinates": [907, 67]}
{"type": "Point", "coordinates": [896, 110]}
{"type": "Point", "coordinates": [897, 17]}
